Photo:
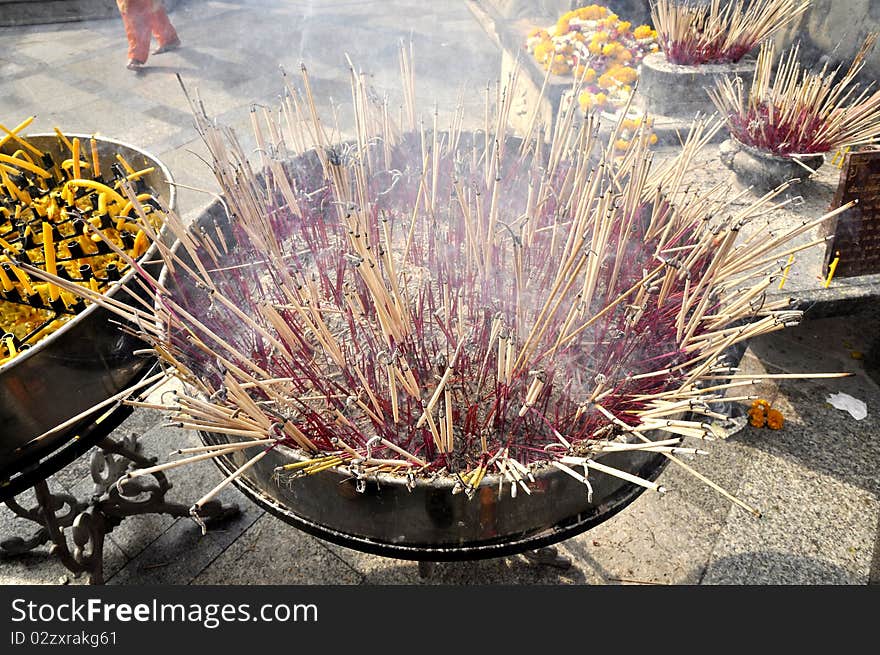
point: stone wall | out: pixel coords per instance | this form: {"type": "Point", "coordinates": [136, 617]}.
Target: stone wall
{"type": "Point", "coordinates": [836, 29]}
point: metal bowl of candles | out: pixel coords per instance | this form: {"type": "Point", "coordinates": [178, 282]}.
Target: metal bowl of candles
{"type": "Point", "coordinates": [47, 380]}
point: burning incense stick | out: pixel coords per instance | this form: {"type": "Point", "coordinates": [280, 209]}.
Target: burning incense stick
{"type": "Point", "coordinates": [714, 32]}
{"type": "Point", "coordinates": [797, 111]}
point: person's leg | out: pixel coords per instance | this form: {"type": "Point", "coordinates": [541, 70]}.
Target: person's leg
{"type": "Point", "coordinates": [163, 30]}
{"type": "Point", "coordinates": [136, 18]}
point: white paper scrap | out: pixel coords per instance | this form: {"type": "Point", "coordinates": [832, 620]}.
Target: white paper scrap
{"type": "Point", "coordinates": [856, 408]}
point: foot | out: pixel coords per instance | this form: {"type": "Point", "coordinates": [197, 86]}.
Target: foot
{"type": "Point", "coordinates": [135, 64]}
{"type": "Point", "coordinates": [167, 47]}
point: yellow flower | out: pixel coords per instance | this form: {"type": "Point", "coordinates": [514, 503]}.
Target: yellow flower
{"type": "Point", "coordinates": [595, 48]}
{"type": "Point", "coordinates": [562, 26]}
{"type": "Point", "coordinates": [539, 32]}
{"type": "Point", "coordinates": [601, 37]}
{"type": "Point", "coordinates": [624, 74]}
{"type": "Point", "coordinates": [621, 144]}
{"type": "Point", "coordinates": [585, 100]}
{"type": "Point", "coordinates": [590, 76]}
{"type": "Point", "coordinates": [652, 139]}
{"type": "Point", "coordinates": [607, 81]}
{"type": "Point", "coordinates": [631, 123]}
{"type": "Point", "coordinates": [643, 32]}
{"type": "Point", "coordinates": [560, 66]}
{"type": "Point", "coordinates": [623, 55]}
{"type": "Point", "coordinates": [543, 51]}
{"type": "Point", "coordinates": [593, 12]}
{"type": "Point", "coordinates": [610, 48]}
{"type": "Point", "coordinates": [623, 26]}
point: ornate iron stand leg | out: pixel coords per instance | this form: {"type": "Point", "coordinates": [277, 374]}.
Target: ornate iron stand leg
{"type": "Point", "coordinates": [92, 520]}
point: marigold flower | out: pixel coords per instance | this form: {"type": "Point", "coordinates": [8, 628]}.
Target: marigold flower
{"type": "Point", "coordinates": [607, 81]}
{"type": "Point", "coordinates": [621, 144]}
{"type": "Point", "coordinates": [652, 139]}
{"type": "Point", "coordinates": [757, 419]}
{"type": "Point", "coordinates": [601, 37]}
{"type": "Point", "coordinates": [643, 32]}
{"type": "Point", "coordinates": [623, 26]}
{"type": "Point", "coordinates": [609, 49]}
{"type": "Point", "coordinates": [543, 51]}
{"type": "Point", "coordinates": [775, 420]}
{"type": "Point", "coordinates": [624, 74]}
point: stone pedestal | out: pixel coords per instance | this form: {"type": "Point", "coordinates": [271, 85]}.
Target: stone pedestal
{"type": "Point", "coordinates": [763, 170]}
{"type": "Point", "coordinates": [681, 91]}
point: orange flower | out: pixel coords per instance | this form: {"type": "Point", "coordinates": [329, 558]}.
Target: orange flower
{"type": "Point", "coordinates": [775, 420]}
{"type": "Point", "coordinates": [760, 402]}
{"type": "Point", "coordinates": [757, 419]}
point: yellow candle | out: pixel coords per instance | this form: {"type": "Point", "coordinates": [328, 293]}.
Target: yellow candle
{"type": "Point", "coordinates": [128, 167]}
{"type": "Point", "coordinates": [64, 139]}
{"type": "Point", "coordinates": [139, 174]}
{"type": "Point", "coordinates": [76, 170]}
{"type": "Point", "coordinates": [49, 256]}
{"type": "Point", "coordinates": [785, 272]}
{"type": "Point", "coordinates": [831, 268]}
{"type": "Point", "coordinates": [15, 130]}
{"type": "Point", "coordinates": [4, 278]}
{"type": "Point", "coordinates": [24, 280]}
{"type": "Point", "coordinates": [96, 165]}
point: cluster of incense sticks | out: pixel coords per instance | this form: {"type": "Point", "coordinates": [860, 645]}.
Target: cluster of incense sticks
{"type": "Point", "coordinates": [797, 111]}
{"type": "Point", "coordinates": [717, 32]}
{"type": "Point", "coordinates": [447, 302]}
{"type": "Point", "coordinates": [70, 219]}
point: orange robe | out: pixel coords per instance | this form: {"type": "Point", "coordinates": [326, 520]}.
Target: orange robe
{"type": "Point", "coordinates": [142, 18]}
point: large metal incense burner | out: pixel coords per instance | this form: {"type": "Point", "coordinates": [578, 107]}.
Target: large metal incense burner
{"type": "Point", "coordinates": [420, 518]}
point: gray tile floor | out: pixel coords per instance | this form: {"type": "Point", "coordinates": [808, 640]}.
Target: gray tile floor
{"type": "Point", "coordinates": [816, 480]}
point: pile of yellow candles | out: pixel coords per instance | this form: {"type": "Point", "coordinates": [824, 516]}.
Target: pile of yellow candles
{"type": "Point", "coordinates": [69, 218]}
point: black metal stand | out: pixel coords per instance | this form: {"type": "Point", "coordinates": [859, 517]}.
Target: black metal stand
{"type": "Point", "coordinates": [92, 519]}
